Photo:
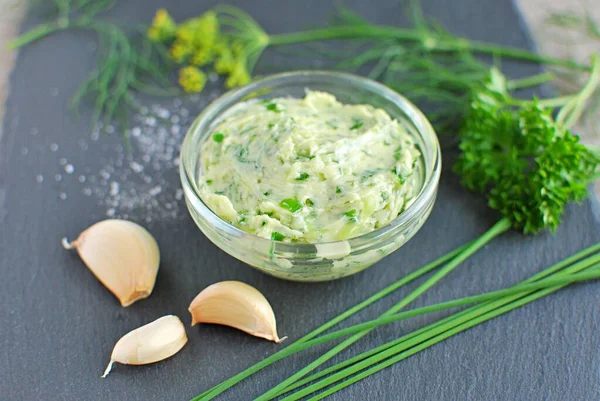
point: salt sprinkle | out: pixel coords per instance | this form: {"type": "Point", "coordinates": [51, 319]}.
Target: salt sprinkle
{"type": "Point", "coordinates": [39, 178]}
{"type": "Point", "coordinates": [114, 188]}
{"type": "Point", "coordinates": [155, 191]}
{"type": "Point", "coordinates": [58, 177]}
{"type": "Point", "coordinates": [54, 147]}
{"type": "Point", "coordinates": [62, 196]}
{"type": "Point", "coordinates": [62, 161]}
{"type": "Point", "coordinates": [136, 167]}
{"type": "Point", "coordinates": [69, 169]}
{"type": "Point", "coordinates": [34, 131]}
{"type": "Point", "coordinates": [142, 181]}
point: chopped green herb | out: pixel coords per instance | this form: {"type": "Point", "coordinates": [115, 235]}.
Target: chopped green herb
{"type": "Point", "coordinates": [305, 156]}
{"type": "Point", "coordinates": [267, 193]}
{"type": "Point", "coordinates": [264, 223]}
{"type": "Point", "coordinates": [302, 177]}
{"type": "Point", "coordinates": [209, 182]}
{"type": "Point", "coordinates": [219, 193]}
{"type": "Point", "coordinates": [309, 202]}
{"type": "Point", "coordinates": [275, 236]}
{"type": "Point", "coordinates": [270, 214]}
{"type": "Point", "coordinates": [398, 152]}
{"type": "Point", "coordinates": [291, 204]}
{"type": "Point", "coordinates": [218, 137]}
{"type": "Point", "coordinates": [386, 143]}
{"type": "Point", "coordinates": [242, 154]}
{"type": "Point", "coordinates": [366, 175]}
{"type": "Point", "coordinates": [350, 213]}
{"type": "Point", "coordinates": [242, 219]}
{"type": "Point", "coordinates": [385, 196]}
{"type": "Point", "coordinates": [270, 125]}
{"type": "Point", "coordinates": [246, 130]}
{"type": "Point", "coordinates": [333, 124]}
{"type": "Point", "coordinates": [357, 124]}
{"type": "Point", "coordinates": [274, 107]}
{"type": "Point", "coordinates": [338, 190]}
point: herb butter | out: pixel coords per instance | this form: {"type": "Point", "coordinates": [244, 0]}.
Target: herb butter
{"type": "Point", "coordinates": [309, 170]}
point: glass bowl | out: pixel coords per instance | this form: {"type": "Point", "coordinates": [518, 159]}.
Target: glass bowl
{"type": "Point", "coordinates": [319, 261]}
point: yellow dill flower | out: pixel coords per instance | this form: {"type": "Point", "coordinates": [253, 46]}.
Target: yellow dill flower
{"type": "Point", "coordinates": [185, 33]}
{"type": "Point", "coordinates": [180, 51]}
{"type": "Point", "coordinates": [221, 46]}
{"type": "Point", "coordinates": [237, 48]}
{"type": "Point", "coordinates": [200, 32]}
{"type": "Point", "coordinates": [225, 62]}
{"type": "Point", "coordinates": [163, 27]}
{"type": "Point", "coordinates": [202, 57]}
{"type": "Point", "coordinates": [192, 79]}
{"type": "Point", "coordinates": [208, 29]}
{"type": "Point", "coordinates": [239, 75]}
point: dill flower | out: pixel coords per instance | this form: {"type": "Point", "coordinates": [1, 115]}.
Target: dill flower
{"type": "Point", "coordinates": [163, 27]}
{"type": "Point", "coordinates": [186, 32]}
{"type": "Point", "coordinates": [192, 79]}
{"type": "Point", "coordinates": [225, 63]}
{"type": "Point", "coordinates": [239, 75]}
{"type": "Point", "coordinates": [208, 30]}
{"type": "Point", "coordinates": [202, 57]}
{"type": "Point", "coordinates": [180, 51]}
{"type": "Point", "coordinates": [200, 32]}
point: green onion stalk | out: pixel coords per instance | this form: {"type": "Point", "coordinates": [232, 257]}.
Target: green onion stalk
{"type": "Point", "coordinates": [554, 278]}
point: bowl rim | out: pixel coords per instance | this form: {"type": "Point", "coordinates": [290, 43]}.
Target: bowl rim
{"type": "Point", "coordinates": [412, 112]}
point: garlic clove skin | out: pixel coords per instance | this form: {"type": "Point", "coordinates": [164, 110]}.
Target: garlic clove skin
{"type": "Point", "coordinates": [238, 305]}
{"type": "Point", "coordinates": [151, 343]}
{"type": "Point", "coordinates": [122, 255]}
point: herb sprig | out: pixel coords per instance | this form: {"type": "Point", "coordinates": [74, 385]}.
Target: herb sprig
{"type": "Point", "coordinates": [127, 64]}
{"type": "Point", "coordinates": [437, 67]}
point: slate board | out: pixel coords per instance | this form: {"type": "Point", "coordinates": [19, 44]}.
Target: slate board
{"type": "Point", "coordinates": [58, 325]}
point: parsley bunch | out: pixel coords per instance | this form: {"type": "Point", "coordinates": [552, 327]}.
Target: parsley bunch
{"type": "Point", "coordinates": [528, 164]}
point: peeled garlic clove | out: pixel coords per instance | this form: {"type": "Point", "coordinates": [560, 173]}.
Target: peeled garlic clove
{"type": "Point", "coordinates": [238, 305]}
{"type": "Point", "coordinates": [151, 343]}
{"type": "Point", "coordinates": [122, 255]}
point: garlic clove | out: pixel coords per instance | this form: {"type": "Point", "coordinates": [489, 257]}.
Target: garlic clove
{"type": "Point", "coordinates": [122, 255]}
{"type": "Point", "coordinates": [151, 343]}
{"type": "Point", "coordinates": [235, 304]}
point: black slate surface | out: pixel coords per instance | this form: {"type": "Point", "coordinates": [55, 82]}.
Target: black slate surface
{"type": "Point", "coordinates": [58, 325]}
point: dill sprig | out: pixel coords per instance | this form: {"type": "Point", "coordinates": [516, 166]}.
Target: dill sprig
{"type": "Point", "coordinates": [428, 64]}
{"type": "Point", "coordinates": [128, 63]}
{"type": "Point", "coordinates": [425, 62]}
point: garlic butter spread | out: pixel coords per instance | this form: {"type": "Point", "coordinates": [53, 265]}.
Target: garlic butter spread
{"type": "Point", "coordinates": [309, 170]}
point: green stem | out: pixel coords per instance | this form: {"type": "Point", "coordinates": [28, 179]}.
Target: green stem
{"type": "Point", "coordinates": [500, 227]}
{"type": "Point", "coordinates": [218, 389]}
{"type": "Point", "coordinates": [492, 295]}
{"type": "Point", "coordinates": [566, 262]}
{"type": "Point", "coordinates": [531, 81]}
{"type": "Point", "coordinates": [420, 345]}
{"type": "Point", "coordinates": [431, 42]}
{"type": "Point", "coordinates": [36, 33]}
{"type": "Point", "coordinates": [434, 329]}
{"type": "Point", "coordinates": [571, 112]}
